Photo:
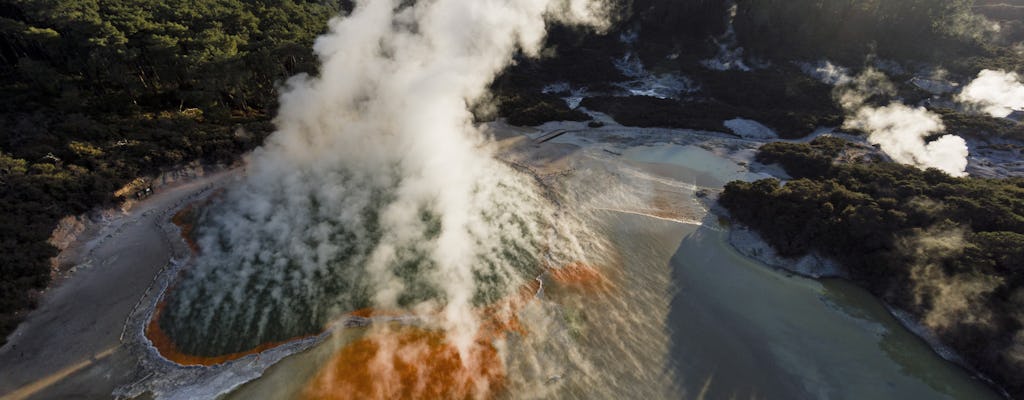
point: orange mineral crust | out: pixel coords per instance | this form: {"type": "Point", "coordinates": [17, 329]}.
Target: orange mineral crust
{"type": "Point", "coordinates": [580, 276]}
{"type": "Point", "coordinates": [188, 216]}
{"type": "Point", "coordinates": [408, 363]}
{"type": "Point", "coordinates": [413, 363]}
{"type": "Point", "coordinates": [185, 220]}
{"type": "Point", "coordinates": [373, 312]}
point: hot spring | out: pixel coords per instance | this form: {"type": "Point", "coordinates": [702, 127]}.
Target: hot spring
{"type": "Point", "coordinates": [294, 284]}
{"type": "Point", "coordinates": [377, 190]}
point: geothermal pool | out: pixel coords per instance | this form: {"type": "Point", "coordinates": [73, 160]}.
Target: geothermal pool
{"type": "Point", "coordinates": [682, 314]}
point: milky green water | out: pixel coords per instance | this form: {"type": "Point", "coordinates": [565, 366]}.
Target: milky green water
{"type": "Point", "coordinates": [750, 332]}
{"type": "Point", "coordinates": [691, 318]}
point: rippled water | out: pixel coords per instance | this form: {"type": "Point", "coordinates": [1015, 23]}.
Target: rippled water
{"type": "Point", "coordinates": [689, 317]}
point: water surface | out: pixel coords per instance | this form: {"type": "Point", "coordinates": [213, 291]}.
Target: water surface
{"type": "Point", "coordinates": [691, 318]}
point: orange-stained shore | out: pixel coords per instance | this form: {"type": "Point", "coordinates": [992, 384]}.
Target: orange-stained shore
{"type": "Point", "coordinates": [498, 319]}
{"type": "Point", "coordinates": [185, 219]}
{"type": "Point", "coordinates": [80, 320]}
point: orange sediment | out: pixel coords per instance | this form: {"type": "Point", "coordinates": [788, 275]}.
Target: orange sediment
{"type": "Point", "coordinates": [497, 321]}
{"type": "Point", "coordinates": [580, 276]}
{"type": "Point", "coordinates": [413, 363]}
{"type": "Point", "coordinates": [401, 362]}
{"type": "Point", "coordinates": [185, 220]}
{"type": "Point", "coordinates": [503, 317]}
{"type": "Point", "coordinates": [409, 363]}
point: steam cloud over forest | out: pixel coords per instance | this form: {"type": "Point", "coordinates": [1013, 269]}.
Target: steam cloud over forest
{"type": "Point", "coordinates": [997, 93]}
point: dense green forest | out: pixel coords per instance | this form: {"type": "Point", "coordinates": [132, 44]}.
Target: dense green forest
{"type": "Point", "coordinates": [949, 250]}
{"type": "Point", "coordinates": [98, 92]}
{"type": "Point", "coordinates": [947, 32]}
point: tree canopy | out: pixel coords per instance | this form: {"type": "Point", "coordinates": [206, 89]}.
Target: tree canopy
{"type": "Point", "coordinates": [99, 92]}
{"type": "Point", "coordinates": [909, 236]}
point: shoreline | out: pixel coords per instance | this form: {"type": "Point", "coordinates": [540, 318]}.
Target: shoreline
{"type": "Point", "coordinates": [163, 378]}
{"type": "Point", "coordinates": [77, 329]}
{"type": "Point", "coordinates": [750, 244]}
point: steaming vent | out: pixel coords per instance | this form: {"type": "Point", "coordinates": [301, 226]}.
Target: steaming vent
{"type": "Point", "coordinates": [377, 191]}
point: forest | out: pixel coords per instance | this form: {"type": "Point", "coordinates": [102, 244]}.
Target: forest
{"type": "Point", "coordinates": [97, 93]}
{"type": "Point", "coordinates": [948, 250]}
{"type": "Point", "coordinates": [957, 34]}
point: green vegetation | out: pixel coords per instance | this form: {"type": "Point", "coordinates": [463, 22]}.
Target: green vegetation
{"type": "Point", "coordinates": [97, 93]}
{"type": "Point", "coordinates": [846, 31]}
{"type": "Point", "coordinates": [528, 109]}
{"type": "Point", "coordinates": [677, 27]}
{"type": "Point", "coordinates": [580, 58]}
{"type": "Point", "coordinates": [949, 250]}
{"type": "Point", "coordinates": [980, 125]}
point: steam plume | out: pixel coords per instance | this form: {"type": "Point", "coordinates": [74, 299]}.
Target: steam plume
{"type": "Point", "coordinates": [997, 93]}
{"type": "Point", "coordinates": [900, 130]}
{"type": "Point", "coordinates": [376, 191]}
{"type": "Point", "coordinates": [827, 72]}
{"type": "Point", "coordinates": [949, 298]}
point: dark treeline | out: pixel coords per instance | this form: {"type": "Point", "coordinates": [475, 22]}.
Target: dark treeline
{"type": "Point", "coordinates": [951, 32]}
{"type": "Point", "coordinates": [675, 36]}
{"type": "Point", "coordinates": [845, 30]}
{"type": "Point", "coordinates": [949, 250]}
{"type": "Point", "coordinates": [96, 93]}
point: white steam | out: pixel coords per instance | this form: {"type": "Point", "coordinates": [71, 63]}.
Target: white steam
{"type": "Point", "coordinates": [900, 130]}
{"type": "Point", "coordinates": [948, 298]}
{"type": "Point", "coordinates": [827, 72]}
{"type": "Point", "coordinates": [376, 185]}
{"type": "Point", "coordinates": [730, 55]}
{"type": "Point", "coordinates": [997, 93]}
